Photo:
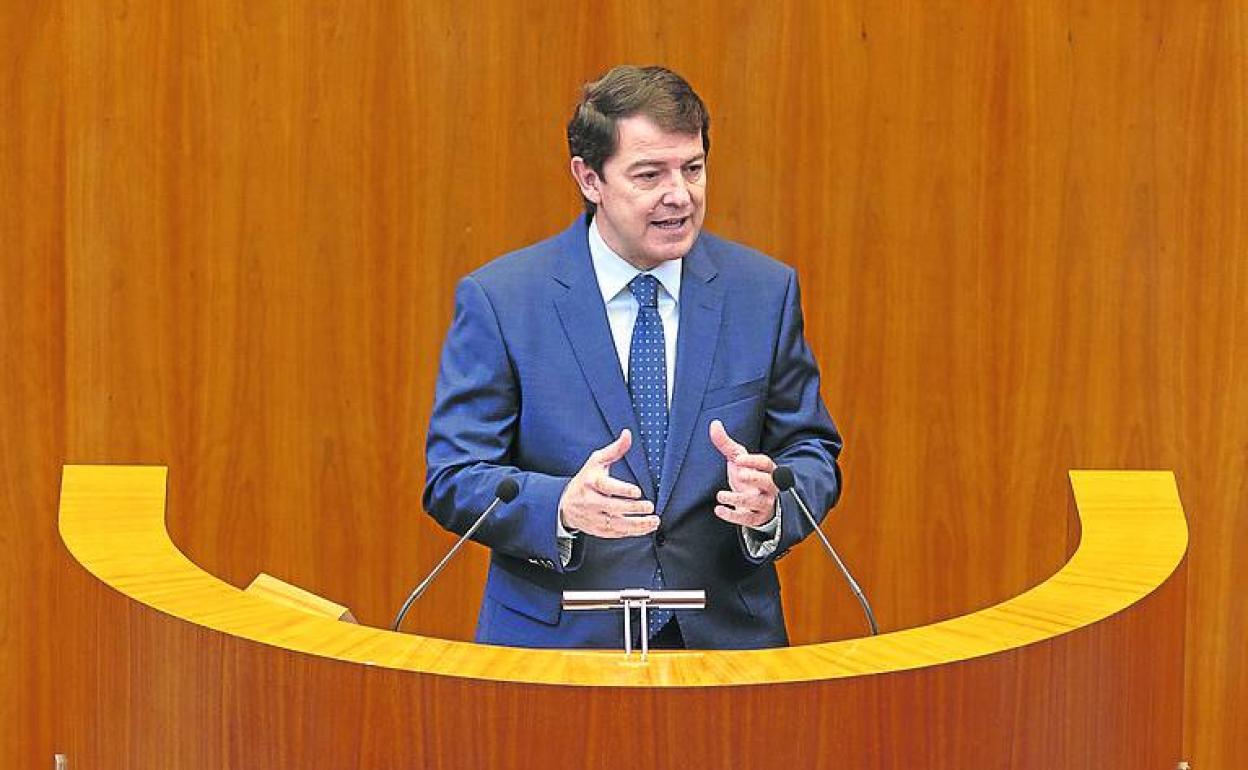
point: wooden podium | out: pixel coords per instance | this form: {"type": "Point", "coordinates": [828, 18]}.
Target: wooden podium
{"type": "Point", "coordinates": [1083, 670]}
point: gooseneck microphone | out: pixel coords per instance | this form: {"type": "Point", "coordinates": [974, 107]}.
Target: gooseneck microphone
{"type": "Point", "coordinates": [505, 492]}
{"type": "Point", "coordinates": [783, 478]}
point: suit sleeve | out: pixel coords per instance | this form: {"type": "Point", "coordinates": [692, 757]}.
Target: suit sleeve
{"type": "Point", "coordinates": [797, 429]}
{"type": "Point", "coordinates": [469, 448]}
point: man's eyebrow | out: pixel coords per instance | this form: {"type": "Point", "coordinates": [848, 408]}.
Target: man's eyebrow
{"type": "Point", "coordinates": [644, 162]}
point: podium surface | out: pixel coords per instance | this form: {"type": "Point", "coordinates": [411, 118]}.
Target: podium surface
{"type": "Point", "coordinates": [1084, 668]}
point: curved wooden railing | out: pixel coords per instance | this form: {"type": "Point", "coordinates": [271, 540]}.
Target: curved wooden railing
{"type": "Point", "coordinates": [1068, 633]}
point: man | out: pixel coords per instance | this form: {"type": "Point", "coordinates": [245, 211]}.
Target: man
{"type": "Point", "coordinates": [640, 380]}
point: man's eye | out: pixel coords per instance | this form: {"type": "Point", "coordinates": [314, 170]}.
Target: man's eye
{"type": "Point", "coordinates": [694, 171]}
{"type": "Point", "coordinates": [648, 176]}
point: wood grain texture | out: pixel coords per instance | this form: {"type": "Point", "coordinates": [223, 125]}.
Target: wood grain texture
{"type": "Point", "coordinates": [32, 355]}
{"type": "Point", "coordinates": [230, 232]}
{"type": "Point", "coordinates": [1133, 536]}
{"type": "Point", "coordinates": [267, 587]}
{"type": "Point", "coordinates": [1088, 633]}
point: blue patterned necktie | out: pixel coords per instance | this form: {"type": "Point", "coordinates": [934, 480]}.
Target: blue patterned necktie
{"type": "Point", "coordinates": [647, 385]}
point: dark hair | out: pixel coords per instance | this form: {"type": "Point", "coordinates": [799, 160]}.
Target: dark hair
{"type": "Point", "coordinates": [625, 91]}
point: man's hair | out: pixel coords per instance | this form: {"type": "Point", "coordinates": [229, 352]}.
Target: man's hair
{"type": "Point", "coordinates": [625, 91]}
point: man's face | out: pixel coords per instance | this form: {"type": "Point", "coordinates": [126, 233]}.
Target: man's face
{"type": "Point", "coordinates": [651, 195]}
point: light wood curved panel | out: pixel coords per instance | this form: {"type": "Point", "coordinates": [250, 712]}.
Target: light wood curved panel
{"type": "Point", "coordinates": [1134, 536]}
{"type": "Point", "coordinates": [1085, 667]}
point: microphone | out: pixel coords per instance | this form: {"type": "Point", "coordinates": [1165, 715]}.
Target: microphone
{"type": "Point", "coordinates": [505, 492]}
{"type": "Point", "coordinates": [783, 478]}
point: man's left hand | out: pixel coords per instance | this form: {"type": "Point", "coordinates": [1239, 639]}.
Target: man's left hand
{"type": "Point", "coordinates": [751, 497]}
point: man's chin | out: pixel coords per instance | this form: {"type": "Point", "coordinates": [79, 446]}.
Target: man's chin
{"type": "Point", "coordinates": [670, 250]}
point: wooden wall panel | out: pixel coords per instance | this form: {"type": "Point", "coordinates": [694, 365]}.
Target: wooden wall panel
{"type": "Point", "coordinates": [32, 360]}
{"type": "Point", "coordinates": [1202, 260]}
{"type": "Point", "coordinates": [1020, 228]}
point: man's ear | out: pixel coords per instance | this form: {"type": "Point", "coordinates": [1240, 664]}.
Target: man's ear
{"type": "Point", "coordinates": [587, 179]}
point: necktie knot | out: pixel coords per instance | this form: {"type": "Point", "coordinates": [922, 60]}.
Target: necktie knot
{"type": "Point", "coordinates": [646, 289]}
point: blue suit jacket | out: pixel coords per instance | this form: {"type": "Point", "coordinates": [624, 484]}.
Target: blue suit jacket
{"type": "Point", "coordinates": [530, 384]}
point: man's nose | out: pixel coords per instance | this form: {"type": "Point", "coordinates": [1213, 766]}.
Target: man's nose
{"type": "Point", "coordinates": [677, 193]}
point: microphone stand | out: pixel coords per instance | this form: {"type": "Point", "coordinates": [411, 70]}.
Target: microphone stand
{"type": "Point", "coordinates": [505, 493]}
{"type": "Point", "coordinates": [783, 478]}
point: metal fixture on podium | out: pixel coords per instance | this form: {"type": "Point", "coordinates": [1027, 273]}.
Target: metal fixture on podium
{"type": "Point", "coordinates": [640, 599]}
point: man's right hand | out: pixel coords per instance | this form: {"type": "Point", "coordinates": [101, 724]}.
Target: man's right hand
{"type": "Point", "coordinates": [599, 505]}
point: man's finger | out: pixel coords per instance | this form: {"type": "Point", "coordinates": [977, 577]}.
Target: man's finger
{"type": "Point", "coordinates": [639, 525]}
{"type": "Point", "coordinates": [758, 462]}
{"type": "Point", "coordinates": [614, 451]}
{"type": "Point", "coordinates": [734, 515]}
{"type": "Point", "coordinates": [727, 447]}
{"type": "Point", "coordinates": [613, 487]}
{"type": "Point", "coordinates": [618, 506]}
{"type": "Point", "coordinates": [752, 500]}
{"type": "Point", "coordinates": [754, 478]}
{"type": "Point", "coordinates": [624, 526]}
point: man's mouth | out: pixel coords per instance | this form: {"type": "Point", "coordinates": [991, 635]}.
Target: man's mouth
{"type": "Point", "coordinates": [670, 224]}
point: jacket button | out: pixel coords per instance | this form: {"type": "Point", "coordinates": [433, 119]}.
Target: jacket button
{"type": "Point", "coordinates": [659, 537]}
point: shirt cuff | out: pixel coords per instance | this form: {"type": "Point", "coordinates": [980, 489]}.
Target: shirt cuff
{"type": "Point", "coordinates": [563, 541]}
{"type": "Point", "coordinates": [761, 541]}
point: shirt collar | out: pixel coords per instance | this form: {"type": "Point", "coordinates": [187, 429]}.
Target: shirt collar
{"type": "Point", "coordinates": [614, 272]}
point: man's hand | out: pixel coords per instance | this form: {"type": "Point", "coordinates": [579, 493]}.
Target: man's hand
{"type": "Point", "coordinates": [751, 497]}
{"type": "Point", "coordinates": [597, 504]}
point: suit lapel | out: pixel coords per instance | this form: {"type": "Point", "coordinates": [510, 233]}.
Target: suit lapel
{"type": "Point", "coordinates": [701, 306]}
{"type": "Point", "coordinates": [584, 320]}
